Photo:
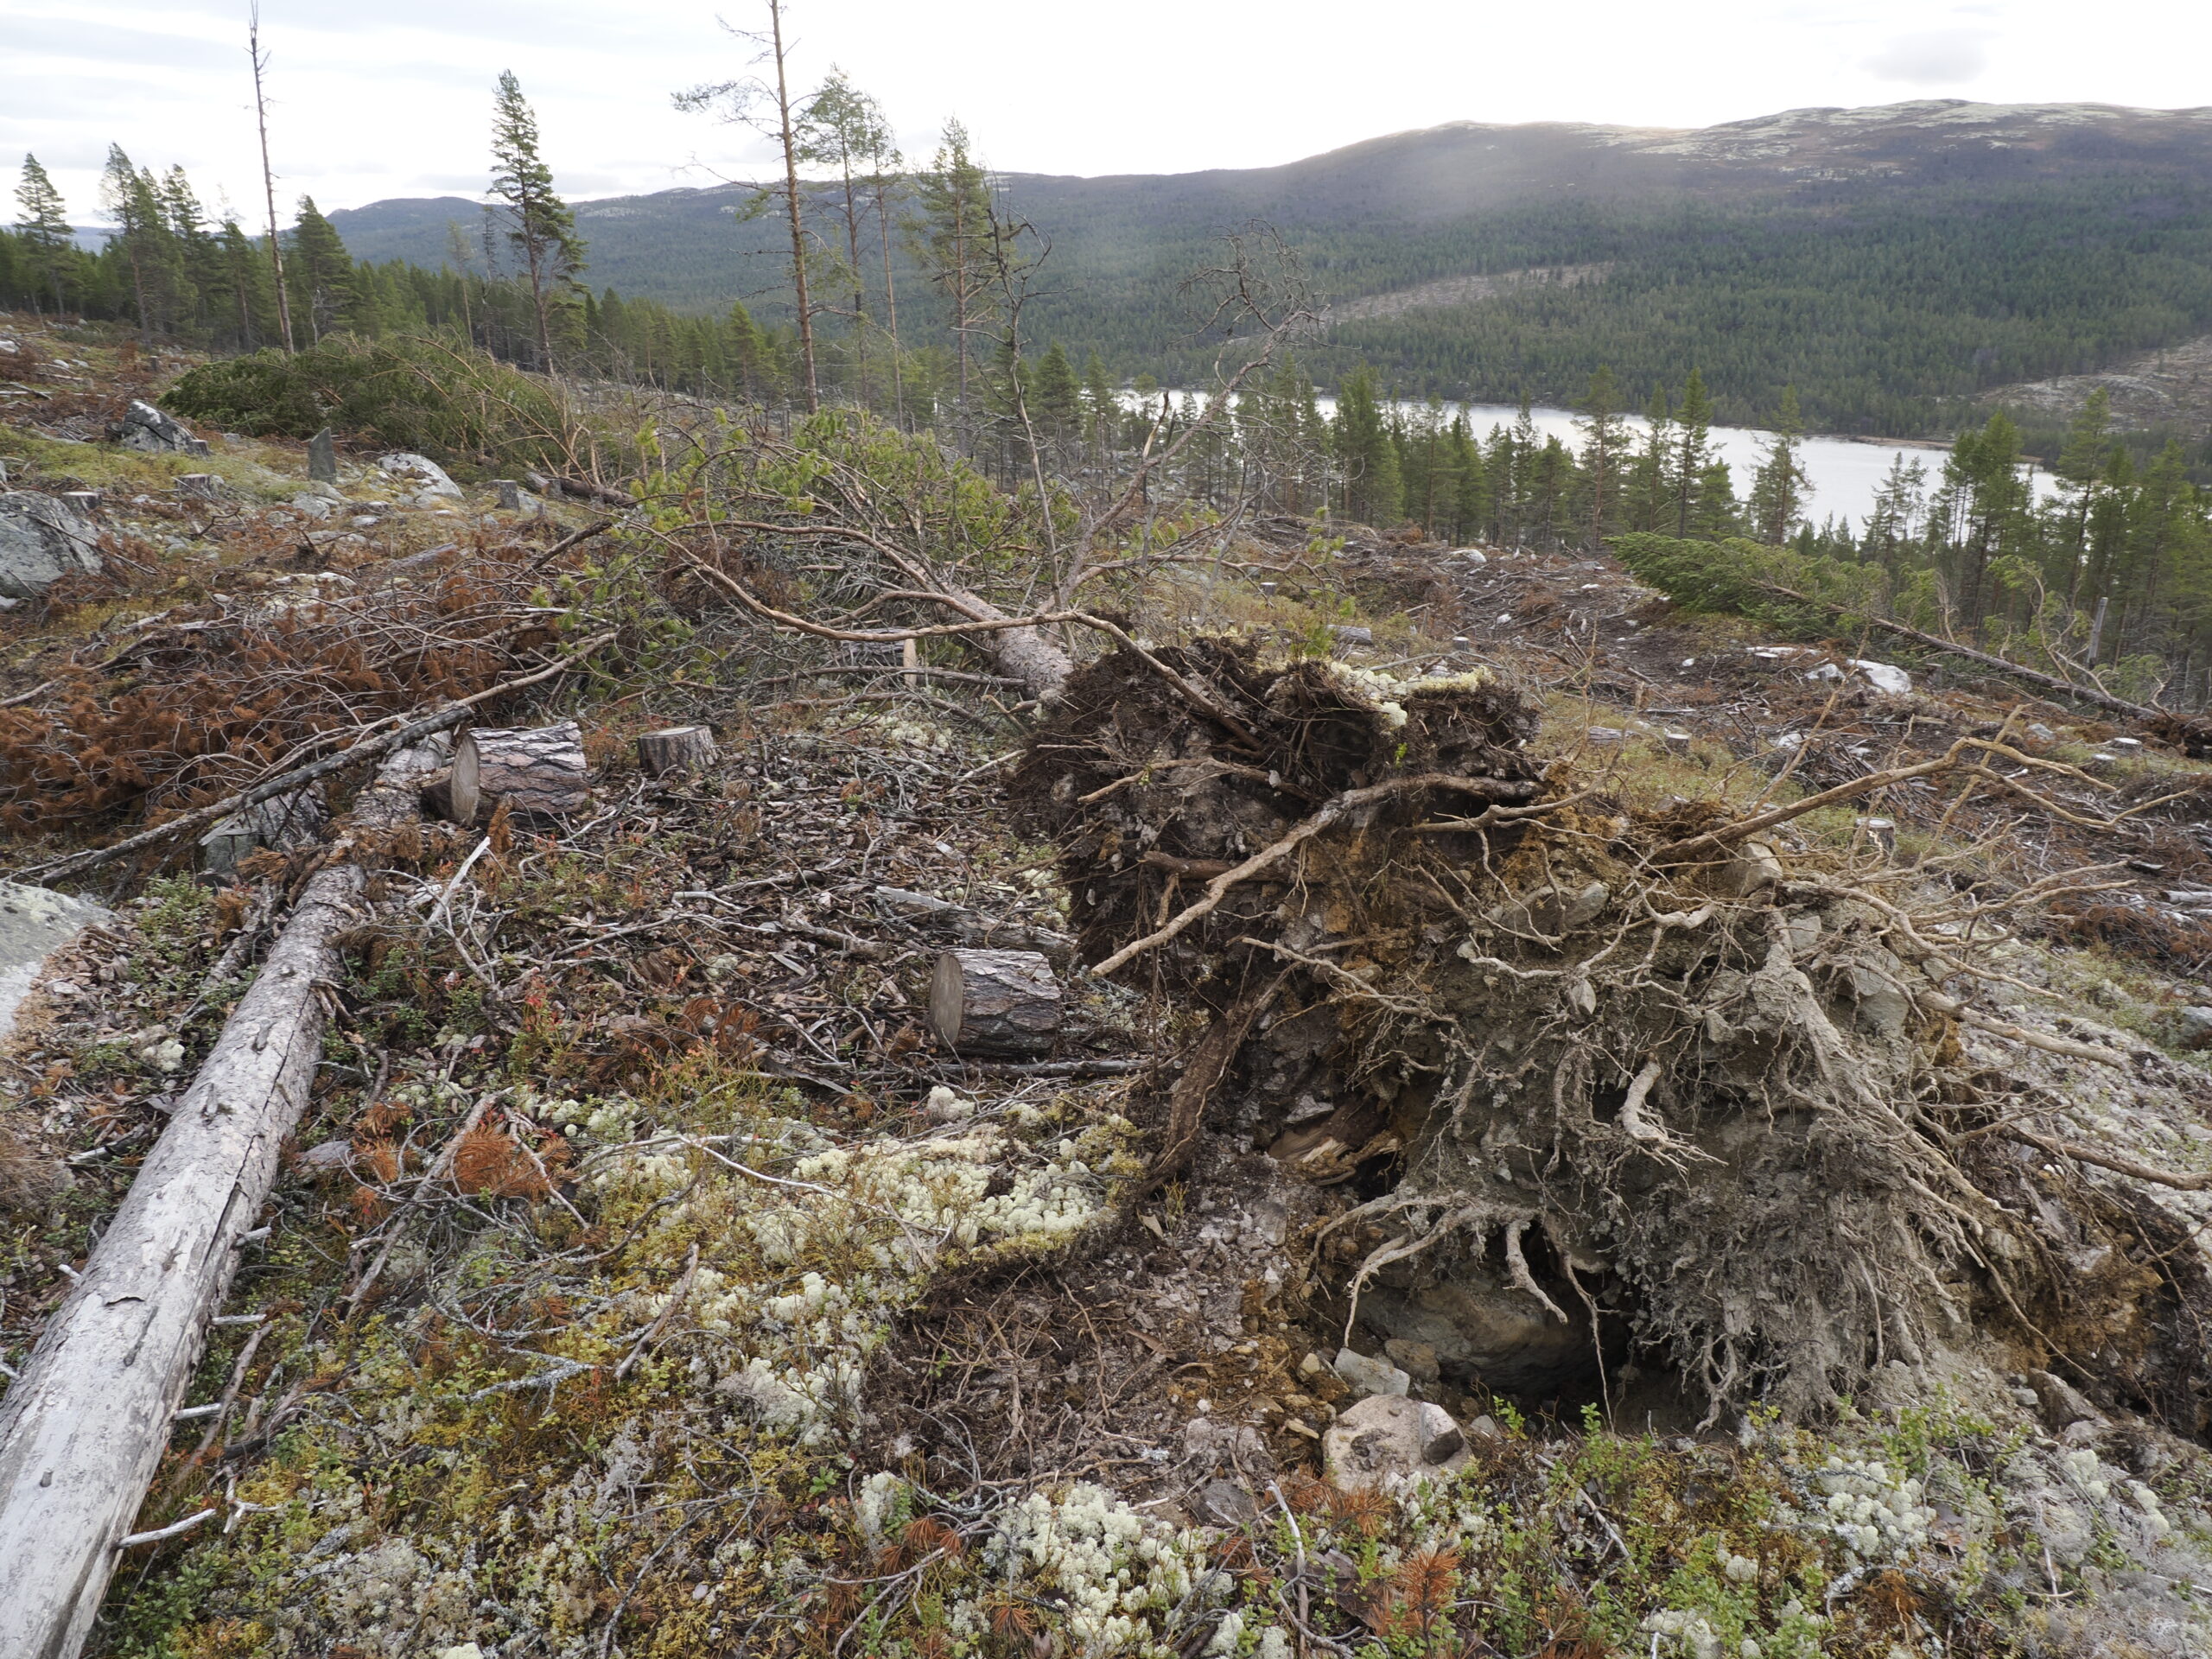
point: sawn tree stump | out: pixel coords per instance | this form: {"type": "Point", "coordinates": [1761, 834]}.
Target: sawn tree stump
{"type": "Point", "coordinates": [540, 772]}
{"type": "Point", "coordinates": [995, 1002]}
{"type": "Point", "coordinates": [678, 748]}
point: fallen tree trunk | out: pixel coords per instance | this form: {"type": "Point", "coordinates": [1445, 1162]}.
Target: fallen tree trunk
{"type": "Point", "coordinates": [83, 1430]}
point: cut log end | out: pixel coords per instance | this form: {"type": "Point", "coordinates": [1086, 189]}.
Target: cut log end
{"type": "Point", "coordinates": [1004, 1003]}
{"type": "Point", "coordinates": [676, 748]}
{"type": "Point", "coordinates": [540, 772]}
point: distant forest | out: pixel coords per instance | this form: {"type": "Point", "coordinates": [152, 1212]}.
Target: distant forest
{"type": "Point", "coordinates": [1888, 310]}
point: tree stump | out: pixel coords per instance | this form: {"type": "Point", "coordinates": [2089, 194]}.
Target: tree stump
{"type": "Point", "coordinates": [995, 1002]}
{"type": "Point", "coordinates": [540, 772]}
{"type": "Point", "coordinates": [675, 748]}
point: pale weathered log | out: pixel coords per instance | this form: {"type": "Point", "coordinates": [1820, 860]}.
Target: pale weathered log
{"type": "Point", "coordinates": [675, 748]}
{"type": "Point", "coordinates": [995, 1002]}
{"type": "Point", "coordinates": [83, 1430]}
{"type": "Point", "coordinates": [539, 772]}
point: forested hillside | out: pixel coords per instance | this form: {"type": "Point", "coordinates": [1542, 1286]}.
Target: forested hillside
{"type": "Point", "coordinates": [1890, 264]}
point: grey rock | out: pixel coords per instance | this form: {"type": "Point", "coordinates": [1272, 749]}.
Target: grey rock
{"type": "Point", "coordinates": [2196, 1021]}
{"type": "Point", "coordinates": [316, 507]}
{"type": "Point", "coordinates": [1883, 1006]}
{"type": "Point", "coordinates": [43, 538]}
{"type": "Point", "coordinates": [1416, 1359]}
{"type": "Point", "coordinates": [327, 1158]}
{"type": "Point", "coordinates": [426, 473]}
{"type": "Point", "coordinates": [145, 427]}
{"type": "Point", "coordinates": [2062, 1403]}
{"type": "Point", "coordinates": [510, 494]}
{"type": "Point", "coordinates": [1386, 1440]}
{"type": "Point", "coordinates": [1227, 1504]}
{"type": "Point", "coordinates": [1550, 910]}
{"type": "Point", "coordinates": [34, 922]}
{"type": "Point", "coordinates": [1366, 1376]}
{"type": "Point", "coordinates": [1349, 635]}
{"type": "Point", "coordinates": [322, 458]}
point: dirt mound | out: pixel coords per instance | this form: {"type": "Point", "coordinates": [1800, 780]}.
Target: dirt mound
{"type": "Point", "coordinates": [1603, 1086]}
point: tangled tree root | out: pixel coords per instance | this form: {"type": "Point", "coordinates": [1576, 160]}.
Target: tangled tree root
{"type": "Point", "coordinates": [1599, 1077]}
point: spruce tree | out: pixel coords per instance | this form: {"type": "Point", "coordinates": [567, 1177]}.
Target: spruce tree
{"type": "Point", "coordinates": [321, 273]}
{"type": "Point", "coordinates": [1056, 396]}
{"type": "Point", "coordinates": [1367, 460]}
{"type": "Point", "coordinates": [1781, 488]}
{"type": "Point", "coordinates": [1693, 449]}
{"type": "Point", "coordinates": [1605, 437]}
{"type": "Point", "coordinates": [44, 227]}
{"type": "Point", "coordinates": [539, 225]}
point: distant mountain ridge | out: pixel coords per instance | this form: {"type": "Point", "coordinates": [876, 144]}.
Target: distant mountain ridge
{"type": "Point", "coordinates": [2024, 240]}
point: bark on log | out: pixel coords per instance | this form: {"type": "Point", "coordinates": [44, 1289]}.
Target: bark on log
{"type": "Point", "coordinates": [676, 748]}
{"type": "Point", "coordinates": [995, 1002]}
{"type": "Point", "coordinates": [1023, 654]}
{"type": "Point", "coordinates": [83, 1430]}
{"type": "Point", "coordinates": [539, 771]}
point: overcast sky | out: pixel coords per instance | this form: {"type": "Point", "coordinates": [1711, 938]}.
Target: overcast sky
{"type": "Point", "coordinates": [392, 97]}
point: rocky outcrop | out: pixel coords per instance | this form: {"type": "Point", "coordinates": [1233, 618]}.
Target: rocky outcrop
{"type": "Point", "coordinates": [145, 427]}
{"type": "Point", "coordinates": [42, 538]}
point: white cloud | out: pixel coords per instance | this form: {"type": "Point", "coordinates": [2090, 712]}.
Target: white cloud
{"type": "Point", "coordinates": [1941, 57]}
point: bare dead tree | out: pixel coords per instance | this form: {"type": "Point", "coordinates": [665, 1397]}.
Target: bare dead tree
{"type": "Point", "coordinates": [260, 62]}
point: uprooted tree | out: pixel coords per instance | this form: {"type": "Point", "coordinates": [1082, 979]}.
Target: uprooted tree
{"type": "Point", "coordinates": [1603, 1083]}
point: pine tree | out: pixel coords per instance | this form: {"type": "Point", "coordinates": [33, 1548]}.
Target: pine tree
{"type": "Point", "coordinates": [1781, 488]}
{"type": "Point", "coordinates": [2080, 466]}
{"type": "Point", "coordinates": [44, 227]}
{"type": "Point", "coordinates": [137, 217]}
{"type": "Point", "coordinates": [1100, 406]}
{"type": "Point", "coordinates": [843, 129]}
{"type": "Point", "coordinates": [539, 226]}
{"type": "Point", "coordinates": [1889, 537]}
{"type": "Point", "coordinates": [953, 239]}
{"type": "Point", "coordinates": [251, 292]}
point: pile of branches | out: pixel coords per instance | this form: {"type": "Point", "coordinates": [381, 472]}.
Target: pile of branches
{"type": "Point", "coordinates": [205, 699]}
{"type": "Point", "coordinates": [1629, 1077]}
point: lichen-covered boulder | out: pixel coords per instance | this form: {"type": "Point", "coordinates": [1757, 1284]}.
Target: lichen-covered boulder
{"type": "Point", "coordinates": [145, 427]}
{"type": "Point", "coordinates": [434, 484]}
{"type": "Point", "coordinates": [42, 538]}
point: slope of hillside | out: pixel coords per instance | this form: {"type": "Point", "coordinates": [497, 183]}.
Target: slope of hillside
{"type": "Point", "coordinates": [1892, 262]}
